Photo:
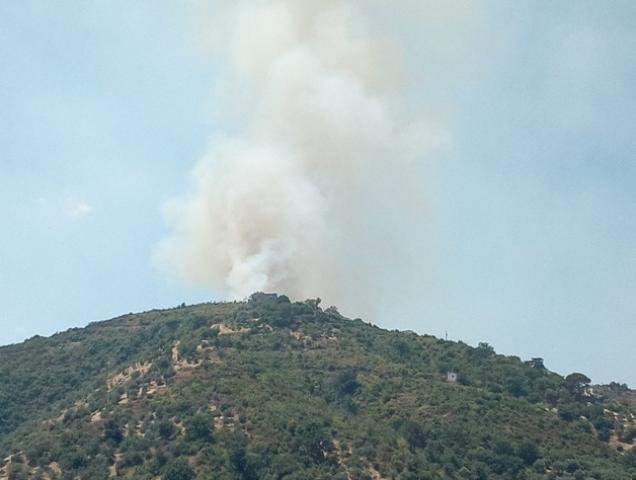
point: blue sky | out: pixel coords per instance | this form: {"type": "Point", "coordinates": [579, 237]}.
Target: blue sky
{"type": "Point", "coordinates": [106, 106]}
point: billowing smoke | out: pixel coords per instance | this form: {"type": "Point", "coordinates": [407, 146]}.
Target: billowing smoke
{"type": "Point", "coordinates": [321, 188]}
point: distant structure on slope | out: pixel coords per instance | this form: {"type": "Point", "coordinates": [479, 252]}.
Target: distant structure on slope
{"type": "Point", "coordinates": [261, 297]}
{"type": "Point", "coordinates": [451, 377]}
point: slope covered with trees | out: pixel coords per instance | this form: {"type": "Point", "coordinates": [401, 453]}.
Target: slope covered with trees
{"type": "Point", "coordinates": [269, 389]}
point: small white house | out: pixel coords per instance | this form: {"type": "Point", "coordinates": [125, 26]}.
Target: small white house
{"type": "Point", "coordinates": [451, 377]}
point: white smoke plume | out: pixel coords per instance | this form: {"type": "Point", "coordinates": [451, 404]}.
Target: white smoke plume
{"type": "Point", "coordinates": [321, 189]}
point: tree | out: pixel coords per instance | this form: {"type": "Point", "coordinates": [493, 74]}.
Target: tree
{"type": "Point", "coordinates": [239, 461]}
{"type": "Point", "coordinates": [536, 362]}
{"type": "Point", "coordinates": [198, 427]}
{"type": "Point", "coordinates": [112, 431]}
{"type": "Point", "coordinates": [484, 350]}
{"type": "Point", "coordinates": [16, 472]}
{"type": "Point", "coordinates": [528, 452]}
{"type": "Point", "coordinates": [415, 434]}
{"type": "Point", "coordinates": [179, 470]}
{"type": "Point", "coordinates": [576, 383]}
{"type": "Point", "coordinates": [347, 382]}
{"type": "Point", "coordinates": [515, 385]}
{"type": "Point", "coordinates": [630, 458]}
{"type": "Point", "coordinates": [166, 429]}
{"type": "Point", "coordinates": [314, 441]}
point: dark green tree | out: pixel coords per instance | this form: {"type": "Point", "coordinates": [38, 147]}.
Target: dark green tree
{"type": "Point", "coordinates": [179, 470]}
{"type": "Point", "coordinates": [199, 427]}
{"type": "Point", "coordinates": [528, 452]}
{"type": "Point", "coordinates": [576, 383]}
{"type": "Point", "coordinates": [166, 429]}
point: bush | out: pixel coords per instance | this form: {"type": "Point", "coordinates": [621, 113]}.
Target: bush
{"type": "Point", "coordinates": [346, 383]}
{"type": "Point", "coordinates": [179, 470]}
{"type": "Point", "coordinates": [199, 427]}
{"type": "Point", "coordinates": [166, 429]}
{"type": "Point", "coordinates": [112, 431]}
{"type": "Point", "coordinates": [415, 434]}
{"type": "Point", "coordinates": [528, 452]}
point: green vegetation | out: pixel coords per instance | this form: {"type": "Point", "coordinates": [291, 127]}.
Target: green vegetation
{"type": "Point", "coordinates": [269, 389]}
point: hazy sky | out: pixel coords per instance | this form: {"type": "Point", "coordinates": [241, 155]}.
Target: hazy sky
{"type": "Point", "coordinates": [106, 106]}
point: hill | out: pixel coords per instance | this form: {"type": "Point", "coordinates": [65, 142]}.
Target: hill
{"type": "Point", "coordinates": [269, 389]}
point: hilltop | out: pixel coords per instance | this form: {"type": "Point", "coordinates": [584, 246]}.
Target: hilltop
{"type": "Point", "coordinates": [270, 389]}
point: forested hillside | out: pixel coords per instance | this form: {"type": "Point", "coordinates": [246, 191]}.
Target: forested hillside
{"type": "Point", "coordinates": [269, 389]}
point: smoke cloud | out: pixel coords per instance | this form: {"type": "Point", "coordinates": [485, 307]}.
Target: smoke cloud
{"type": "Point", "coordinates": [322, 186]}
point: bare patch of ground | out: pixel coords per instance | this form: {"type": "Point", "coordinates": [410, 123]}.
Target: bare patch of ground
{"type": "Point", "coordinates": [616, 443]}
{"type": "Point", "coordinates": [155, 388]}
{"type": "Point", "coordinates": [225, 329]}
{"type": "Point", "coordinates": [340, 457]}
{"type": "Point", "coordinates": [375, 475]}
{"type": "Point", "coordinates": [125, 376]}
{"type": "Point", "coordinates": [112, 470]}
{"type": "Point", "coordinates": [182, 364]}
{"type": "Point", "coordinates": [96, 417]}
